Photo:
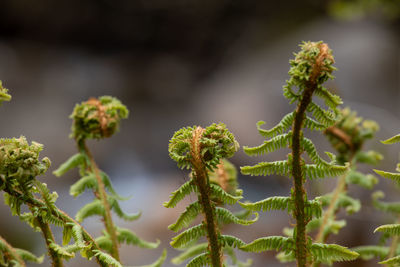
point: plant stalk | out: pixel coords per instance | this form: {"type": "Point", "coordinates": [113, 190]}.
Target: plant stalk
{"type": "Point", "coordinates": [12, 253]}
{"type": "Point", "coordinates": [201, 180]}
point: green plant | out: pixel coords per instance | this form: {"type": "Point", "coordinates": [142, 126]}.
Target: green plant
{"type": "Point", "coordinates": [389, 255]}
{"type": "Point", "coordinates": [311, 67]}
{"type": "Point", "coordinates": [97, 119]}
{"type": "Point", "coordinates": [201, 150]}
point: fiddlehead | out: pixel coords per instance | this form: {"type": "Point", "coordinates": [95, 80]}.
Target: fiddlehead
{"type": "Point", "coordinates": [201, 150]}
{"type": "Point", "coordinates": [312, 66]}
{"type": "Point", "coordinates": [97, 119]}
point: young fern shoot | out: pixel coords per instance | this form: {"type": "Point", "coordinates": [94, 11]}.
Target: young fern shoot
{"type": "Point", "coordinates": [389, 255]}
{"type": "Point", "coordinates": [201, 151]}
{"type": "Point", "coordinates": [97, 119]}
{"type": "Point", "coordinates": [311, 67]}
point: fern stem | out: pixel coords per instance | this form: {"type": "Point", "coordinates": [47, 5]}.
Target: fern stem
{"type": "Point", "coordinates": [12, 254]}
{"type": "Point", "coordinates": [202, 182]}
{"type": "Point", "coordinates": [33, 202]}
{"type": "Point", "coordinates": [49, 238]}
{"type": "Point", "coordinates": [102, 195]}
{"type": "Point", "coordinates": [299, 193]}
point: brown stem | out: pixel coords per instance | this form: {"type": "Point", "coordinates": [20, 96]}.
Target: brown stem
{"type": "Point", "coordinates": [49, 238]}
{"type": "Point", "coordinates": [11, 254]}
{"type": "Point", "coordinates": [102, 195]}
{"type": "Point", "coordinates": [299, 194]}
{"type": "Point", "coordinates": [201, 180]}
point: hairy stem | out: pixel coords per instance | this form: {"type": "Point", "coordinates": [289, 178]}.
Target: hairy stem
{"type": "Point", "coordinates": [299, 194]}
{"type": "Point", "coordinates": [102, 195]}
{"type": "Point", "coordinates": [11, 254]}
{"type": "Point", "coordinates": [201, 180]}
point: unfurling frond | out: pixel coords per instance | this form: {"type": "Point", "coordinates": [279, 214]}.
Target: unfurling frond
{"type": "Point", "coordinates": [231, 241]}
{"type": "Point", "coordinates": [267, 168]}
{"type": "Point", "coordinates": [188, 235]}
{"type": "Point", "coordinates": [367, 181]}
{"type": "Point", "coordinates": [82, 184]}
{"type": "Point", "coordinates": [331, 100]}
{"type": "Point", "coordinates": [369, 252]}
{"type": "Point", "coordinates": [71, 163]}
{"type": "Point", "coordinates": [390, 175]}
{"type": "Point", "coordinates": [313, 171]}
{"type": "Point", "coordinates": [62, 251]}
{"type": "Point", "coordinates": [270, 243]}
{"type": "Point", "coordinates": [309, 147]}
{"type": "Point", "coordinates": [271, 203]}
{"type": "Point", "coordinates": [180, 194]}
{"type": "Point", "coordinates": [93, 208]}
{"type": "Point", "coordinates": [280, 128]}
{"type": "Point", "coordinates": [189, 253]}
{"type": "Point", "coordinates": [200, 260]}
{"type": "Point", "coordinates": [186, 217]}
{"type": "Point", "coordinates": [392, 140]}
{"type": "Point", "coordinates": [269, 146]}
{"type": "Point", "coordinates": [106, 258]}
{"type": "Point", "coordinates": [323, 116]}
{"type": "Point", "coordinates": [28, 256]}
{"type": "Point", "coordinates": [392, 229]}
{"type": "Point", "coordinates": [117, 209]}
{"type": "Point", "coordinates": [225, 216]}
{"type": "Point", "coordinates": [130, 238]}
{"type": "Point", "coordinates": [331, 253]}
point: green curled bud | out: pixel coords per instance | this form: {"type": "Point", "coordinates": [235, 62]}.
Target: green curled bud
{"type": "Point", "coordinates": [97, 118]}
{"type": "Point", "coordinates": [4, 96]}
{"type": "Point", "coordinates": [192, 146]}
{"type": "Point", "coordinates": [19, 161]}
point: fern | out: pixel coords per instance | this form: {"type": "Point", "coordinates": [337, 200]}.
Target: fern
{"type": "Point", "coordinates": [189, 253]}
{"type": "Point", "coordinates": [180, 194]}
{"type": "Point", "coordinates": [272, 203]}
{"type": "Point", "coordinates": [200, 260]}
{"type": "Point", "coordinates": [270, 243]}
{"type": "Point", "coordinates": [331, 252]}
{"type": "Point", "coordinates": [193, 233]}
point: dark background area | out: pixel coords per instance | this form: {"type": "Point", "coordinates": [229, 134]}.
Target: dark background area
{"type": "Point", "coordinates": [180, 63]}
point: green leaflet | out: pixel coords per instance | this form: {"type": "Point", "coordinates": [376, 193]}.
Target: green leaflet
{"type": "Point", "coordinates": [392, 229]}
{"type": "Point", "coordinates": [28, 256]}
{"type": "Point", "coordinates": [267, 168]}
{"type": "Point", "coordinates": [189, 253]}
{"type": "Point", "coordinates": [367, 181]}
{"type": "Point", "coordinates": [128, 237]}
{"type": "Point", "coordinates": [330, 99]}
{"type": "Point", "coordinates": [71, 163]}
{"type": "Point", "coordinates": [106, 258]}
{"type": "Point", "coordinates": [324, 117]}
{"type": "Point", "coordinates": [392, 140]}
{"type": "Point", "coordinates": [309, 147]}
{"type": "Point", "coordinates": [393, 207]}
{"type": "Point", "coordinates": [390, 175]}
{"type": "Point", "coordinates": [188, 235]}
{"type": "Point", "coordinates": [62, 251]}
{"type": "Point", "coordinates": [186, 217]}
{"type": "Point", "coordinates": [370, 252]}
{"type": "Point", "coordinates": [313, 125]}
{"type": "Point", "coordinates": [180, 194]}
{"type": "Point", "coordinates": [225, 216]}
{"type": "Point", "coordinates": [331, 253]}
{"type": "Point", "coordinates": [222, 196]}
{"type": "Point", "coordinates": [271, 203]}
{"type": "Point", "coordinates": [231, 241]}
{"type": "Point", "coordinates": [280, 128]}
{"type": "Point", "coordinates": [269, 146]}
{"type": "Point", "coordinates": [269, 243]}
{"type": "Point", "coordinates": [86, 182]}
{"type": "Point", "coordinates": [200, 260]}
{"type": "Point", "coordinates": [394, 261]}
{"type": "Point", "coordinates": [313, 171]}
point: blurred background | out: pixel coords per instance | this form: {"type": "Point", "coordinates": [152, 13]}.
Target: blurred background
{"type": "Point", "coordinates": [181, 63]}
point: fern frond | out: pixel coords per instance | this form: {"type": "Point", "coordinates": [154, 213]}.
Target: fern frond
{"type": "Point", "coordinates": [220, 194]}
{"type": "Point", "coordinates": [49, 218]}
{"type": "Point", "coordinates": [188, 235]}
{"type": "Point", "coordinates": [267, 168]}
{"type": "Point", "coordinates": [309, 147]}
{"type": "Point", "coordinates": [313, 209]}
{"type": "Point", "coordinates": [331, 253]}
{"type": "Point", "coordinates": [108, 185]}
{"type": "Point", "coordinates": [63, 252]}
{"type": "Point", "coordinates": [225, 216]}
{"type": "Point", "coordinates": [269, 146]}
{"type": "Point", "coordinates": [73, 162]}
{"type": "Point", "coordinates": [200, 260]}
{"type": "Point", "coordinates": [189, 253]}
{"type": "Point", "coordinates": [390, 175]}
{"type": "Point", "coordinates": [93, 208]}
{"type": "Point", "coordinates": [331, 100]}
{"type": "Point", "coordinates": [313, 125]}
{"type": "Point", "coordinates": [393, 207]}
{"type": "Point", "coordinates": [392, 140]}
{"type": "Point", "coordinates": [313, 171]}
{"type": "Point", "coordinates": [231, 241]}
{"type": "Point", "coordinates": [49, 198]}
{"type": "Point", "coordinates": [117, 209]}
{"type": "Point", "coordinates": [271, 203]}
{"type": "Point", "coordinates": [289, 94]}
{"type": "Point", "coordinates": [367, 181]}
{"type": "Point", "coordinates": [186, 217]}
{"type": "Point", "coordinates": [82, 184]}
{"type": "Point", "coordinates": [270, 243]}
{"type": "Point", "coordinates": [369, 252]}
{"type": "Point", "coordinates": [394, 261]}
{"type": "Point", "coordinates": [77, 234]}
{"type": "Point", "coordinates": [104, 242]}
{"type": "Point", "coordinates": [324, 117]}
{"type": "Point", "coordinates": [280, 128]}
{"type": "Point", "coordinates": [286, 257]}
{"type": "Point", "coordinates": [180, 194]}
{"type": "Point", "coordinates": [128, 237]}
{"type": "Point", "coordinates": [28, 256]}
{"type": "Point", "coordinates": [392, 229]}
{"type": "Point", "coordinates": [106, 258]}
{"type": "Point", "coordinates": [231, 253]}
